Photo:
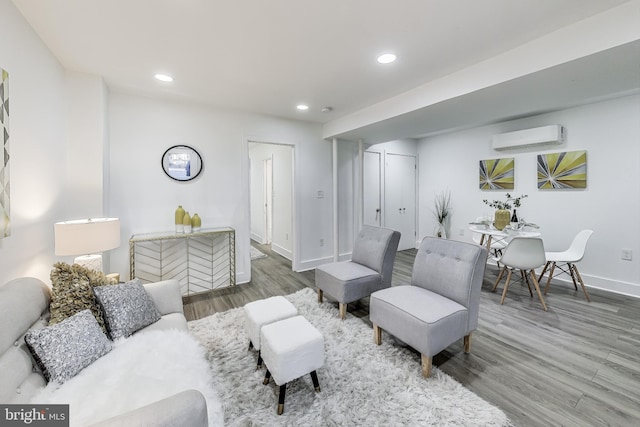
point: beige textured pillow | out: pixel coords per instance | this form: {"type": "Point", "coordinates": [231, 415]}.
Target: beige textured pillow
{"type": "Point", "coordinates": [73, 292]}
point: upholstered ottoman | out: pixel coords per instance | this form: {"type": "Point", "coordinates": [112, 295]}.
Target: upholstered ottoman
{"type": "Point", "coordinates": [291, 348]}
{"type": "Point", "coordinates": [262, 312]}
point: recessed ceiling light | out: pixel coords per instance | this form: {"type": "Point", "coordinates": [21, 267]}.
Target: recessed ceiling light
{"type": "Point", "coordinates": [163, 78]}
{"type": "Point", "coordinates": [386, 58]}
{"type": "Point", "coordinates": [302, 107]}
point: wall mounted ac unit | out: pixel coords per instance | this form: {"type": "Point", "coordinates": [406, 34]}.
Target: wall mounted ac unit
{"type": "Point", "coordinates": [552, 134]}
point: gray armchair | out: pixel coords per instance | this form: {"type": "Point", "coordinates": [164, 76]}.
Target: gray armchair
{"type": "Point", "coordinates": [440, 305]}
{"type": "Point", "coordinates": [369, 270]}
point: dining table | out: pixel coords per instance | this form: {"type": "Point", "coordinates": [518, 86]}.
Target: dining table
{"type": "Point", "coordinates": [491, 234]}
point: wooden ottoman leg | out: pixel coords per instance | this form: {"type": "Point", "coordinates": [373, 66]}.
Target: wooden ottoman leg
{"type": "Point", "coordinates": [467, 343]}
{"type": "Point", "coordinates": [426, 366]}
{"type": "Point", "coordinates": [343, 310]}
{"type": "Point", "coordinates": [265, 381]}
{"type": "Point", "coordinates": [320, 293]}
{"type": "Point", "coordinates": [314, 378]}
{"type": "Point", "coordinates": [283, 391]}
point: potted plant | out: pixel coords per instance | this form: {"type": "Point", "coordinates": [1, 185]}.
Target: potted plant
{"type": "Point", "coordinates": [442, 212]}
{"type": "Point", "coordinates": [502, 215]}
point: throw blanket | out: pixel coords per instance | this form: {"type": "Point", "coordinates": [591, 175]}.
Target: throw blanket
{"type": "Point", "coordinates": [142, 369]}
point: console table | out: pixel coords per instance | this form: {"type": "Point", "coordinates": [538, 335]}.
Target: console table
{"type": "Point", "coordinates": [200, 261]}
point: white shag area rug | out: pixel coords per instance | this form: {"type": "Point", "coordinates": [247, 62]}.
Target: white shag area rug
{"type": "Point", "coordinates": [362, 383]}
{"type": "Point", "coordinates": [142, 369]}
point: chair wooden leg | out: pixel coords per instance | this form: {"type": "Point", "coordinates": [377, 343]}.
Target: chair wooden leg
{"type": "Point", "coordinates": [426, 366]}
{"type": "Point", "coordinates": [535, 284]}
{"type": "Point", "coordinates": [584, 289]}
{"type": "Point", "coordinates": [467, 343]}
{"type": "Point", "coordinates": [573, 276]}
{"type": "Point", "coordinates": [320, 296]}
{"type": "Point", "coordinates": [526, 279]}
{"type": "Point", "coordinates": [553, 267]}
{"type": "Point", "coordinates": [343, 310]}
{"type": "Point", "coordinates": [377, 334]}
{"type": "Point", "coordinates": [506, 286]}
{"type": "Point", "coordinates": [544, 270]}
{"type": "Point", "coordinates": [267, 376]}
{"type": "Point", "coordinates": [495, 285]}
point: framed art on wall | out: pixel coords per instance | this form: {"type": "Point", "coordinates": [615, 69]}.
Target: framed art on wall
{"type": "Point", "coordinates": [497, 174]}
{"type": "Point", "coordinates": [564, 170]}
{"type": "Point", "coordinates": [5, 229]}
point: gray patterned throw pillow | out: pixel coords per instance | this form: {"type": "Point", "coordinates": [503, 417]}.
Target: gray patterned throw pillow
{"type": "Point", "coordinates": [127, 308]}
{"type": "Point", "coordinates": [64, 349]}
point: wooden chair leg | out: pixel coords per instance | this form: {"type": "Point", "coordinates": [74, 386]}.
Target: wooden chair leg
{"type": "Point", "coordinates": [553, 267]}
{"type": "Point", "coordinates": [267, 376]}
{"type": "Point", "coordinates": [544, 270]}
{"type": "Point", "coordinates": [573, 276]}
{"type": "Point", "coordinates": [584, 289]}
{"type": "Point", "coordinates": [343, 310]}
{"type": "Point", "coordinates": [426, 366]}
{"type": "Point", "coordinates": [495, 285]}
{"type": "Point", "coordinates": [535, 284]}
{"type": "Point", "coordinates": [467, 343]}
{"type": "Point", "coordinates": [320, 293]}
{"type": "Point", "coordinates": [281, 396]}
{"type": "Point", "coordinates": [316, 383]}
{"type": "Point", "coordinates": [377, 334]}
{"type": "Point", "coordinates": [526, 279]}
{"type": "Point", "coordinates": [506, 286]}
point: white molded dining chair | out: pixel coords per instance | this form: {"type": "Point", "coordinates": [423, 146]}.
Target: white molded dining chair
{"type": "Point", "coordinates": [565, 261]}
{"type": "Point", "coordinates": [525, 254]}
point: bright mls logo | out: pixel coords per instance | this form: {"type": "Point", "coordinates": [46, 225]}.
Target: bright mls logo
{"type": "Point", "coordinates": [34, 415]}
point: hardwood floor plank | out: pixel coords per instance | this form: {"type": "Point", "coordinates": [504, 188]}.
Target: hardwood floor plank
{"type": "Point", "coordinates": [575, 365]}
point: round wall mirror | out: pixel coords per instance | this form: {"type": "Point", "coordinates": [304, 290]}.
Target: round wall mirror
{"type": "Point", "coordinates": [181, 163]}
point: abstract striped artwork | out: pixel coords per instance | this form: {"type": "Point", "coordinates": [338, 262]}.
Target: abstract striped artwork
{"type": "Point", "coordinates": [5, 229]}
{"type": "Point", "coordinates": [496, 174]}
{"type": "Point", "coordinates": [564, 170]}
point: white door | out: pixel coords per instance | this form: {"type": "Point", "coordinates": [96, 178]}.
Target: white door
{"type": "Point", "coordinates": [372, 189]}
{"type": "Point", "coordinates": [268, 199]}
{"type": "Point", "coordinates": [400, 197]}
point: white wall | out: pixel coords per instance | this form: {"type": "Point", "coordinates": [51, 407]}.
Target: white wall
{"type": "Point", "coordinates": [141, 129]}
{"type": "Point", "coordinates": [38, 135]}
{"type": "Point", "coordinates": [610, 205]}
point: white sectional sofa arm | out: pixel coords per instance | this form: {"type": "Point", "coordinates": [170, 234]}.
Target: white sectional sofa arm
{"type": "Point", "coordinates": [188, 408]}
{"type": "Point", "coordinates": [166, 296]}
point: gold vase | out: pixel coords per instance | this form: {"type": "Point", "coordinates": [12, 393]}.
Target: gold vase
{"type": "Point", "coordinates": [501, 219]}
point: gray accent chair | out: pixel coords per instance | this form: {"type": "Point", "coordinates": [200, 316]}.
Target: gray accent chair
{"type": "Point", "coordinates": [440, 305]}
{"type": "Point", "coordinates": [369, 270]}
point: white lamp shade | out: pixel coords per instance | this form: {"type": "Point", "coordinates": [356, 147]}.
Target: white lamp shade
{"type": "Point", "coordinates": [87, 236]}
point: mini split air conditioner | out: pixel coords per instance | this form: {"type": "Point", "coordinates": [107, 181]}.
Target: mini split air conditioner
{"type": "Point", "coordinates": [553, 134]}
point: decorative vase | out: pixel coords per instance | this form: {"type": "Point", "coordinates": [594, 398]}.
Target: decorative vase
{"type": "Point", "coordinates": [196, 222]}
{"type": "Point", "coordinates": [441, 232]}
{"type": "Point", "coordinates": [501, 219]}
{"type": "Point", "coordinates": [186, 222]}
{"type": "Point", "coordinates": [179, 218]}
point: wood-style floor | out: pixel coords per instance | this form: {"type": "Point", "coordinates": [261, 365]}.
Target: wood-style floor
{"type": "Point", "coordinates": [576, 365]}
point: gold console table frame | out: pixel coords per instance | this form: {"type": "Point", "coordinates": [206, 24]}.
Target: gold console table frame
{"type": "Point", "coordinates": [201, 261]}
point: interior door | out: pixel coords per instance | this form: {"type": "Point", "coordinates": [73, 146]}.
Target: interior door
{"type": "Point", "coordinates": [372, 189]}
{"type": "Point", "coordinates": [400, 197]}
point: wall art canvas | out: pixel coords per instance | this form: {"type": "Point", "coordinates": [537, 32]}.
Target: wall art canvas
{"type": "Point", "coordinates": [5, 229]}
{"type": "Point", "coordinates": [564, 170]}
{"type": "Point", "coordinates": [496, 174]}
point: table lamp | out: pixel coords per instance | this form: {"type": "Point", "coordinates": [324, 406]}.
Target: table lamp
{"type": "Point", "coordinates": [87, 237]}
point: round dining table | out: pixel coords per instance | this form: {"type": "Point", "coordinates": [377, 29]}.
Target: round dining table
{"type": "Point", "coordinates": [489, 233]}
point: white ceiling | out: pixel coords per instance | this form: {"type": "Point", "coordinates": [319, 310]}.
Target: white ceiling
{"type": "Point", "coordinates": [266, 56]}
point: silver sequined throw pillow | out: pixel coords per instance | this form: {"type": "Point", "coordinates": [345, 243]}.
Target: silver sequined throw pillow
{"type": "Point", "coordinates": [127, 308]}
{"type": "Point", "coordinates": [64, 349]}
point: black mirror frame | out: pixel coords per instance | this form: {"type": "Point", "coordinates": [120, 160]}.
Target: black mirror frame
{"type": "Point", "coordinates": [165, 167]}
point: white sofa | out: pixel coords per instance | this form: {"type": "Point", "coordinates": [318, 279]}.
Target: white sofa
{"type": "Point", "coordinates": [24, 304]}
